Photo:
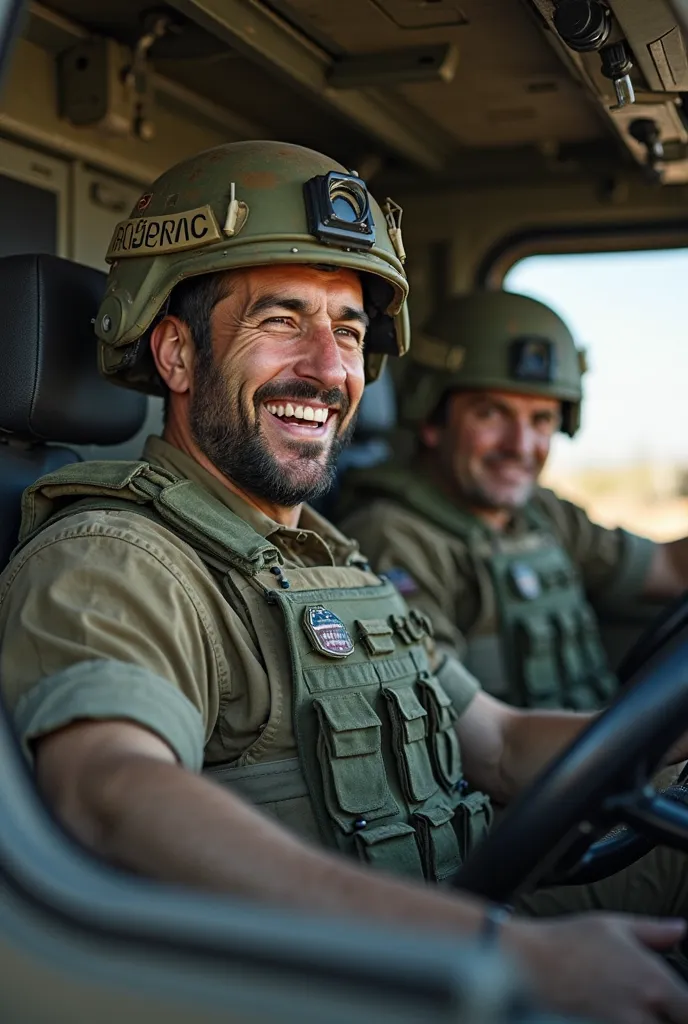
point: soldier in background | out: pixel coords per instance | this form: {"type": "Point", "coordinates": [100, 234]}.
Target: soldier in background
{"type": "Point", "coordinates": [512, 576]}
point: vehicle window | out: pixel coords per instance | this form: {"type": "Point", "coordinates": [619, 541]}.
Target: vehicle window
{"type": "Point", "coordinates": [33, 201]}
{"type": "Point", "coordinates": [628, 465]}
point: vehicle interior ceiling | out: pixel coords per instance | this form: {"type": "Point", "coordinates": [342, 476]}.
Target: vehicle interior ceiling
{"type": "Point", "coordinates": [474, 115]}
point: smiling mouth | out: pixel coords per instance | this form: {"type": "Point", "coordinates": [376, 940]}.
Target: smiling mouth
{"type": "Point", "coordinates": [300, 414]}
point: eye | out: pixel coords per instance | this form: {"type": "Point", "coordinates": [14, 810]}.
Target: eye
{"type": "Point", "coordinates": [546, 422]}
{"type": "Point", "coordinates": [279, 324]}
{"type": "Point", "coordinates": [486, 412]}
{"type": "Point", "coordinates": [351, 334]}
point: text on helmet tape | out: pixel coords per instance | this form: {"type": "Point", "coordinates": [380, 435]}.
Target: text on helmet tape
{"type": "Point", "coordinates": [151, 236]}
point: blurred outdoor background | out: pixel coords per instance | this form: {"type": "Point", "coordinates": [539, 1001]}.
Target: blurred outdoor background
{"type": "Point", "coordinates": [628, 465]}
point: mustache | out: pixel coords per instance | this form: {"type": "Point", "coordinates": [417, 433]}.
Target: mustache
{"type": "Point", "coordinates": [274, 390]}
{"type": "Point", "coordinates": [531, 465]}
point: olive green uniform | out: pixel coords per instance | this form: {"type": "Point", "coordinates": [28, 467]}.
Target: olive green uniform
{"type": "Point", "coordinates": [274, 653]}
{"type": "Point", "coordinates": [519, 606]}
{"type": "Point", "coordinates": [113, 612]}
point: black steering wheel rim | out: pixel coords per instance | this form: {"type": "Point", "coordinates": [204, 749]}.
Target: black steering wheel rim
{"type": "Point", "coordinates": [601, 779]}
{"type": "Point", "coordinates": [669, 621]}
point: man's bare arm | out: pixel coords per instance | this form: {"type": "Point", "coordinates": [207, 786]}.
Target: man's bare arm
{"type": "Point", "coordinates": [117, 787]}
{"type": "Point", "coordinates": [667, 575]}
{"type": "Point", "coordinates": [120, 790]}
{"type": "Point", "coordinates": [503, 748]}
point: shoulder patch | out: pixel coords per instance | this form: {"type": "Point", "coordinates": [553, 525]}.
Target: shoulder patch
{"type": "Point", "coordinates": [402, 580]}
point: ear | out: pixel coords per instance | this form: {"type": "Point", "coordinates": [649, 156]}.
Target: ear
{"type": "Point", "coordinates": [172, 350]}
{"type": "Point", "coordinates": [430, 435]}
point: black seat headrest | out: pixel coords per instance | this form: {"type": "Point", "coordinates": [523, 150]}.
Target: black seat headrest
{"type": "Point", "coordinates": [50, 387]}
{"type": "Point", "coordinates": [377, 413]}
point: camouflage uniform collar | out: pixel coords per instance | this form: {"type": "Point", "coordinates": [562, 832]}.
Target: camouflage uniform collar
{"type": "Point", "coordinates": [313, 542]}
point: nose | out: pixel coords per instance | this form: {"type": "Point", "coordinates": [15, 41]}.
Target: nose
{"type": "Point", "coordinates": [320, 359]}
{"type": "Point", "coordinates": [521, 438]}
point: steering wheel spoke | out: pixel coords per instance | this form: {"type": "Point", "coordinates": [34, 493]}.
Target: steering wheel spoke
{"type": "Point", "coordinates": [661, 817]}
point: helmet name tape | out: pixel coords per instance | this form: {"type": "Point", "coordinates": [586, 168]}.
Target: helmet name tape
{"type": "Point", "coordinates": [152, 236]}
{"type": "Point", "coordinates": [533, 359]}
{"type": "Point", "coordinates": [438, 355]}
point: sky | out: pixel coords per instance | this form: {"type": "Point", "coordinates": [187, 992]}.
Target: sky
{"type": "Point", "coordinates": [630, 312]}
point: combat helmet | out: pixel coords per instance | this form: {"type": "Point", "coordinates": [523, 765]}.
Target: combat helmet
{"type": "Point", "coordinates": [248, 204]}
{"type": "Point", "coordinates": [495, 340]}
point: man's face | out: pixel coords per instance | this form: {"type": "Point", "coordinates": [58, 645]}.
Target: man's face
{"type": "Point", "coordinates": [494, 445]}
{"type": "Point", "coordinates": [277, 401]}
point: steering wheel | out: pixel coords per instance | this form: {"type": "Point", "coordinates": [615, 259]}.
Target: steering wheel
{"type": "Point", "coordinates": [550, 833]}
{"type": "Point", "coordinates": [670, 620]}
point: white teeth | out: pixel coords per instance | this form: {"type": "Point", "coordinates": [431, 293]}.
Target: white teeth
{"type": "Point", "coordinates": [299, 412]}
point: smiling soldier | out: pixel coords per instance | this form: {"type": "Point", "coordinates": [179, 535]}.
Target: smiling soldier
{"type": "Point", "coordinates": [213, 686]}
{"type": "Point", "coordinates": [512, 576]}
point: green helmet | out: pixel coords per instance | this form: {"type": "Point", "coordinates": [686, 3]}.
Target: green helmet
{"type": "Point", "coordinates": [248, 204]}
{"type": "Point", "coordinates": [494, 340]}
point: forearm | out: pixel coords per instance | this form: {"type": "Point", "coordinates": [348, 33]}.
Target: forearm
{"type": "Point", "coordinates": [532, 739]}
{"type": "Point", "coordinates": [667, 576]}
{"type": "Point", "coordinates": [161, 821]}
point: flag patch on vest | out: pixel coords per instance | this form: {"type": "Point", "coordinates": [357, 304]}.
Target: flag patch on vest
{"type": "Point", "coordinates": [525, 580]}
{"type": "Point", "coordinates": [327, 633]}
{"type": "Point", "coordinates": [402, 580]}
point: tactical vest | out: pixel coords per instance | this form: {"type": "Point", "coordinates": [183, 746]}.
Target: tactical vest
{"type": "Point", "coordinates": [535, 642]}
{"type": "Point", "coordinates": [378, 767]}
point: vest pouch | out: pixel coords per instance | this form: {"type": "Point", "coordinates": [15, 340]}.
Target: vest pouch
{"type": "Point", "coordinates": [603, 681]}
{"type": "Point", "coordinates": [278, 787]}
{"type": "Point", "coordinates": [472, 820]}
{"type": "Point", "coordinates": [376, 635]}
{"type": "Point", "coordinates": [390, 848]}
{"type": "Point", "coordinates": [536, 643]}
{"type": "Point", "coordinates": [438, 842]}
{"type": "Point", "coordinates": [577, 692]}
{"type": "Point", "coordinates": [409, 731]}
{"type": "Point", "coordinates": [443, 741]}
{"type": "Point", "coordinates": [350, 755]}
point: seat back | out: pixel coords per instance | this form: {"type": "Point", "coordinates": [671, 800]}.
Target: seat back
{"type": "Point", "coordinates": [51, 393]}
{"type": "Point", "coordinates": [371, 443]}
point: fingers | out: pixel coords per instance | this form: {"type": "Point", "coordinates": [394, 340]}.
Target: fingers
{"type": "Point", "coordinates": [657, 933]}
{"type": "Point", "coordinates": [671, 1000]}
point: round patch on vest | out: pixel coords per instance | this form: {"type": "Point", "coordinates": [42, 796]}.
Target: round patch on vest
{"type": "Point", "coordinates": [327, 633]}
{"type": "Point", "coordinates": [525, 580]}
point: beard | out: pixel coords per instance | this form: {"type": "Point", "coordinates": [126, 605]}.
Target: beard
{"type": "Point", "coordinates": [234, 441]}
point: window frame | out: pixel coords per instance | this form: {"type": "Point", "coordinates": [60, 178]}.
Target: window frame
{"type": "Point", "coordinates": [567, 240]}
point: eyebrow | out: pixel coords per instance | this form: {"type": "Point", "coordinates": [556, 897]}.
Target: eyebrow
{"type": "Point", "coordinates": [503, 406]}
{"type": "Point", "coordinates": [295, 305]}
